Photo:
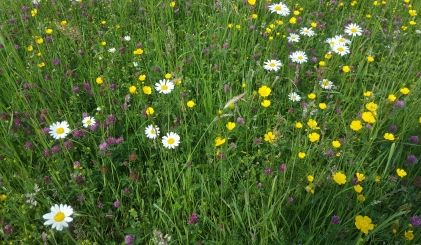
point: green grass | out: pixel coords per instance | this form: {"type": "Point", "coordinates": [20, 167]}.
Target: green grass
{"type": "Point", "coordinates": [213, 52]}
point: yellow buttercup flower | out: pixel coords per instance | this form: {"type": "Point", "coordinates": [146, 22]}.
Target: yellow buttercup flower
{"type": "Point", "coordinates": [230, 126]}
{"type": "Point", "coordinates": [191, 104]}
{"type": "Point", "coordinates": [364, 224]}
{"type": "Point", "coordinates": [219, 141]}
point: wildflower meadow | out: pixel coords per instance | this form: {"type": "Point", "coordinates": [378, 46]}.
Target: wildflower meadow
{"type": "Point", "coordinates": [210, 122]}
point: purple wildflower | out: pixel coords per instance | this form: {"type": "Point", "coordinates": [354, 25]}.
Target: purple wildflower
{"type": "Point", "coordinates": [193, 219]}
{"type": "Point", "coordinates": [335, 220]}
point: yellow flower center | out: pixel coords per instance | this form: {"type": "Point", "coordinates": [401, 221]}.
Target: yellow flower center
{"type": "Point", "coordinates": [88, 122]}
{"type": "Point", "coordinates": [278, 8]}
{"type": "Point", "coordinates": [364, 223]}
{"type": "Point", "coordinates": [272, 64]}
{"type": "Point", "coordinates": [59, 217]}
{"type": "Point", "coordinates": [153, 131]}
{"type": "Point", "coordinates": [60, 131]}
{"type": "Point", "coordinates": [170, 141]}
{"type": "Point", "coordinates": [164, 87]}
{"type": "Point", "coordinates": [353, 30]}
{"type": "Point", "coordinates": [340, 49]}
{"type": "Point", "coordinates": [300, 57]}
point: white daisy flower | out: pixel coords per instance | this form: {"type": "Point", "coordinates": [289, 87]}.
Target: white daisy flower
{"type": "Point", "coordinates": [126, 38]}
{"type": "Point", "coordinates": [151, 132]}
{"type": "Point", "coordinates": [307, 32]}
{"type": "Point", "coordinates": [326, 84]}
{"type": "Point", "coordinates": [135, 64]}
{"type": "Point", "coordinates": [340, 49]}
{"type": "Point", "coordinates": [111, 50]}
{"type": "Point", "coordinates": [280, 9]}
{"type": "Point", "coordinates": [353, 30]}
{"type": "Point", "coordinates": [171, 140]}
{"type": "Point", "coordinates": [59, 130]}
{"type": "Point", "coordinates": [59, 216]}
{"type": "Point", "coordinates": [164, 86]}
{"type": "Point", "coordinates": [272, 65]}
{"type": "Point", "coordinates": [293, 38]}
{"type": "Point", "coordinates": [341, 40]}
{"type": "Point", "coordinates": [294, 97]}
{"type": "Point", "coordinates": [88, 121]}
{"type": "Point", "coordinates": [332, 41]}
{"type": "Point", "coordinates": [298, 57]}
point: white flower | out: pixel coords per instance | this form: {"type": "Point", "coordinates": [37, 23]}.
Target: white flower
{"type": "Point", "coordinates": [135, 64]}
{"type": "Point", "coordinates": [294, 97]}
{"type": "Point", "coordinates": [59, 216]}
{"type": "Point", "coordinates": [326, 84]}
{"type": "Point", "coordinates": [280, 9]}
{"type": "Point", "coordinates": [164, 86]}
{"type": "Point", "coordinates": [332, 41]}
{"type": "Point", "coordinates": [171, 140]}
{"type": "Point", "coordinates": [111, 50]}
{"type": "Point", "coordinates": [298, 57]}
{"type": "Point", "coordinates": [152, 132]}
{"type": "Point", "coordinates": [126, 38]}
{"type": "Point", "coordinates": [340, 49]}
{"type": "Point", "coordinates": [98, 108]}
{"type": "Point", "coordinates": [59, 130]}
{"type": "Point", "coordinates": [272, 65]}
{"type": "Point", "coordinates": [307, 32]}
{"type": "Point", "coordinates": [418, 31]}
{"type": "Point", "coordinates": [294, 38]}
{"type": "Point", "coordinates": [36, 1]}
{"type": "Point", "coordinates": [353, 30]}
{"type": "Point", "coordinates": [88, 121]}
{"type": "Point", "coordinates": [341, 40]}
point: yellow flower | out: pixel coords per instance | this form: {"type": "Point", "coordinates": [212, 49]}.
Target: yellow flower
{"type": "Point", "coordinates": [191, 104]}
{"type": "Point", "coordinates": [30, 48]}
{"type": "Point", "coordinates": [238, 27]}
{"type": "Point", "coordinates": [49, 31]}
{"type": "Point", "coordinates": [401, 173]}
{"type": "Point", "coordinates": [368, 117]}
{"type": "Point", "coordinates": [312, 124]}
{"type": "Point", "coordinates": [371, 106]}
{"type": "Point", "coordinates": [339, 178]}
{"type": "Point", "coordinates": [367, 94]}
{"type": "Point", "coordinates": [99, 80]}
{"type": "Point", "coordinates": [313, 24]}
{"type": "Point", "coordinates": [34, 12]}
{"type": "Point", "coordinates": [361, 198]}
{"type": "Point", "coordinates": [103, 43]}
{"type": "Point", "coordinates": [254, 16]}
{"type": "Point", "coordinates": [404, 28]}
{"type": "Point", "coordinates": [364, 224]}
{"type": "Point", "coordinates": [310, 178]}
{"type": "Point", "coordinates": [42, 64]}
{"type": "Point", "coordinates": [377, 179]}
{"type": "Point", "coordinates": [138, 51]}
{"type": "Point", "coordinates": [328, 56]}
{"type": "Point", "coordinates": [419, 119]}
{"type": "Point", "coordinates": [391, 97]}
{"type": "Point", "coordinates": [149, 111]}
{"type": "Point", "coordinates": [358, 188]}
{"type": "Point", "coordinates": [404, 90]}
{"type": "Point", "coordinates": [40, 40]}
{"type": "Point", "coordinates": [298, 125]}
{"type": "Point", "coordinates": [219, 141]}
{"type": "Point", "coordinates": [412, 12]}
{"type": "Point", "coordinates": [269, 137]}
{"type": "Point", "coordinates": [409, 235]}
{"type": "Point", "coordinates": [412, 23]}
{"type": "Point", "coordinates": [147, 90]}
{"type": "Point", "coordinates": [313, 137]}
{"type": "Point", "coordinates": [293, 20]}
{"type": "Point", "coordinates": [336, 144]}
{"type": "Point", "coordinates": [322, 106]}
{"type": "Point", "coordinates": [346, 69]}
{"type": "Point", "coordinates": [142, 78]}
{"type": "Point", "coordinates": [322, 63]}
{"type": "Point", "coordinates": [251, 2]}
{"type": "Point", "coordinates": [296, 12]}
{"type": "Point", "coordinates": [230, 126]}
{"type": "Point", "coordinates": [312, 96]}
{"type": "Point", "coordinates": [132, 89]}
{"type": "Point", "coordinates": [301, 155]}
{"type": "Point", "coordinates": [389, 136]}
{"type": "Point", "coordinates": [264, 91]}
{"type": "Point", "coordinates": [172, 4]}
{"type": "Point", "coordinates": [230, 25]}
{"type": "Point", "coordinates": [168, 76]}
{"type": "Point", "coordinates": [265, 103]}
{"type": "Point", "coordinates": [3, 197]}
{"type": "Point", "coordinates": [243, 85]}
{"type": "Point", "coordinates": [368, 16]}
{"type": "Point", "coordinates": [103, 22]}
{"type": "Point", "coordinates": [370, 59]}
{"type": "Point", "coordinates": [360, 177]}
{"type": "Point", "coordinates": [356, 125]}
{"type": "Point", "coordinates": [63, 23]}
